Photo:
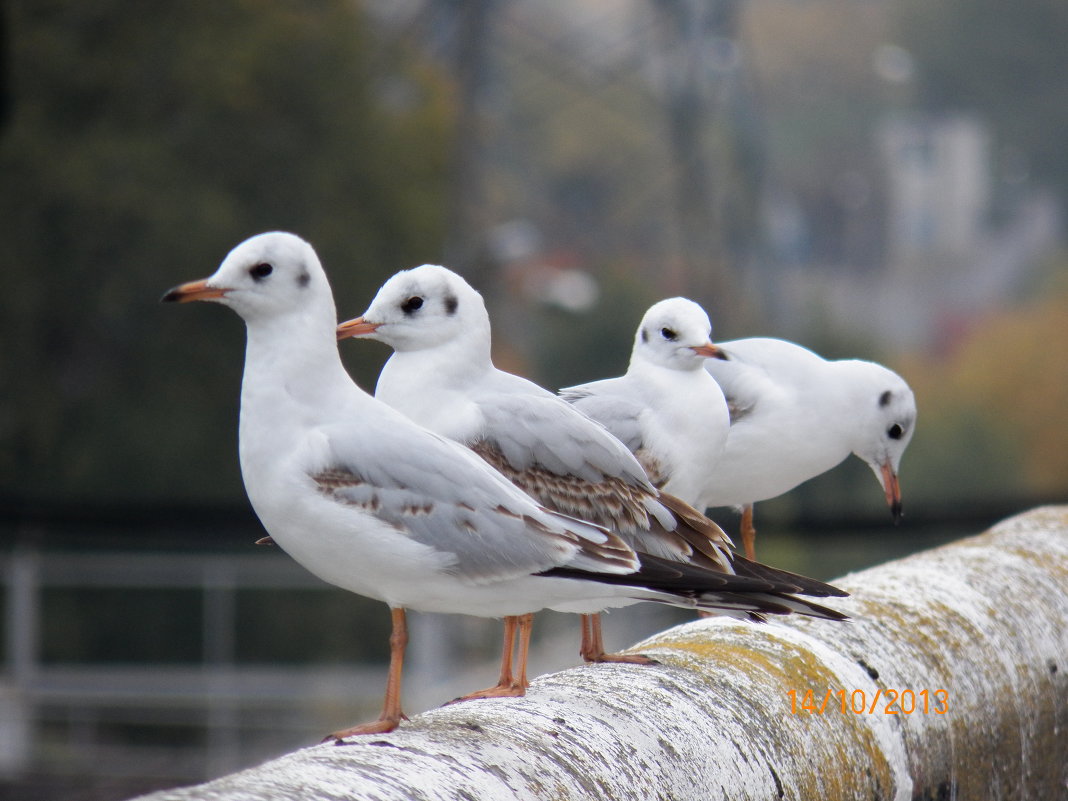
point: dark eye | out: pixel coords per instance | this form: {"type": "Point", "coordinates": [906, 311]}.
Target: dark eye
{"type": "Point", "coordinates": [260, 271]}
{"type": "Point", "coordinates": [895, 432]}
{"type": "Point", "coordinates": [668, 334]}
{"type": "Point", "coordinates": [412, 304]}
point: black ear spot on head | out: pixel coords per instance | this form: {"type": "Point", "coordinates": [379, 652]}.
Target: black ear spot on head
{"type": "Point", "coordinates": [451, 302]}
{"type": "Point", "coordinates": [645, 335]}
{"type": "Point", "coordinates": [303, 279]}
{"type": "Point", "coordinates": [884, 399]}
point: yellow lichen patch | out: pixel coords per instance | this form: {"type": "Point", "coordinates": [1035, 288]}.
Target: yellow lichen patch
{"type": "Point", "coordinates": [836, 742]}
{"type": "Point", "coordinates": [753, 654]}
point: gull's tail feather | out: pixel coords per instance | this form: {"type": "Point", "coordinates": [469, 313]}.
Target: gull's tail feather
{"type": "Point", "coordinates": [764, 591]}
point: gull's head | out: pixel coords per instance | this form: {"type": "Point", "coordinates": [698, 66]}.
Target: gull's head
{"type": "Point", "coordinates": [675, 333]}
{"type": "Point", "coordinates": [886, 423]}
{"type": "Point", "coordinates": [423, 308]}
{"type": "Point", "coordinates": [268, 276]}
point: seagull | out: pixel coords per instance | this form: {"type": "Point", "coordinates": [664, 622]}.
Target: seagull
{"type": "Point", "coordinates": [442, 376]}
{"type": "Point", "coordinates": [666, 408]}
{"type": "Point", "coordinates": [370, 501]}
{"type": "Point", "coordinates": [795, 415]}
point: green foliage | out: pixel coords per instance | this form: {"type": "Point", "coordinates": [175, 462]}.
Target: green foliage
{"type": "Point", "coordinates": [144, 141]}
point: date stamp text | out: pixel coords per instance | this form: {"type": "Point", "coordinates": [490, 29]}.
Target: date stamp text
{"type": "Point", "coordinates": [859, 702]}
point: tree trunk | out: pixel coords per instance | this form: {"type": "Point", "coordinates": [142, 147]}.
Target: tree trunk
{"type": "Point", "coordinates": [956, 661]}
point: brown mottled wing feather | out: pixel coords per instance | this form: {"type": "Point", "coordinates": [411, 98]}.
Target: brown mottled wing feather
{"type": "Point", "coordinates": [739, 409]}
{"type": "Point", "coordinates": [610, 502]}
{"type": "Point", "coordinates": [653, 467]}
{"type": "Point", "coordinates": [575, 466]}
{"type": "Point", "coordinates": [699, 531]}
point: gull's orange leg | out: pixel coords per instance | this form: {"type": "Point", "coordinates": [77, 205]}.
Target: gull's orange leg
{"type": "Point", "coordinates": [507, 686]}
{"type": "Point", "coordinates": [391, 710]}
{"type": "Point", "coordinates": [526, 628]}
{"type": "Point", "coordinates": [592, 648]}
{"type": "Point", "coordinates": [748, 532]}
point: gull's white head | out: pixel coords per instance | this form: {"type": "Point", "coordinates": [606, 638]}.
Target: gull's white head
{"type": "Point", "coordinates": [886, 423]}
{"type": "Point", "coordinates": [675, 333]}
{"type": "Point", "coordinates": [265, 277]}
{"type": "Point", "coordinates": [423, 308]}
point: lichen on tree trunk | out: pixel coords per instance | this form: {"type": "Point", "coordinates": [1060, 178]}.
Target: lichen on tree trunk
{"type": "Point", "coordinates": [984, 620]}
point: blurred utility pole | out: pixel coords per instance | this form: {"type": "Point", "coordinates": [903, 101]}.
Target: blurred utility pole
{"type": "Point", "coordinates": [6, 88]}
{"type": "Point", "coordinates": [466, 215]}
{"type": "Point", "coordinates": [694, 35]}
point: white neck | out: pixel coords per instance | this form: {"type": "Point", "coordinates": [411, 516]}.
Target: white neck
{"type": "Point", "coordinates": [293, 378]}
{"type": "Point", "coordinates": [430, 386]}
{"type": "Point", "coordinates": [454, 361]}
{"type": "Point", "coordinates": [859, 386]}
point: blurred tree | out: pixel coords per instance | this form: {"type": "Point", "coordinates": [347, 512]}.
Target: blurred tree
{"type": "Point", "coordinates": [989, 409]}
{"type": "Point", "coordinates": [143, 142]}
{"type": "Point", "coordinates": [1006, 61]}
{"type": "Point", "coordinates": [576, 348]}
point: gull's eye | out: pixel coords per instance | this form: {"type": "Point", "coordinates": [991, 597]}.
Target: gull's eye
{"type": "Point", "coordinates": [668, 334]}
{"type": "Point", "coordinates": [412, 305]}
{"type": "Point", "coordinates": [895, 432]}
{"type": "Point", "coordinates": [260, 271]}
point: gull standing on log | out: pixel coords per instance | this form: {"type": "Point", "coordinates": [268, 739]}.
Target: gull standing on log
{"type": "Point", "coordinates": [795, 415]}
{"type": "Point", "coordinates": [441, 375]}
{"type": "Point", "coordinates": [666, 409]}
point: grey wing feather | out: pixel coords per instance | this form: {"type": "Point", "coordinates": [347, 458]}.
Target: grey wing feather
{"type": "Point", "coordinates": [744, 379]}
{"type": "Point", "coordinates": [619, 413]}
{"type": "Point", "coordinates": [608, 404]}
{"type": "Point", "coordinates": [440, 494]}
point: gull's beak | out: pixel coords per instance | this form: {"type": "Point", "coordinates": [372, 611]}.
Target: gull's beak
{"type": "Point", "coordinates": [194, 290]}
{"type": "Point", "coordinates": [709, 351]}
{"type": "Point", "coordinates": [357, 327]}
{"type": "Point", "coordinates": [892, 490]}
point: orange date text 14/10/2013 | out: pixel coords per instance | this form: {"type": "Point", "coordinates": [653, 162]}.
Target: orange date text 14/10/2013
{"type": "Point", "coordinates": [860, 702]}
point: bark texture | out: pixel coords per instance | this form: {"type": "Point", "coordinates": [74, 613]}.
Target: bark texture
{"type": "Point", "coordinates": [984, 619]}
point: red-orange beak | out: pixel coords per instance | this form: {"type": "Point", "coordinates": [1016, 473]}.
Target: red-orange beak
{"type": "Point", "coordinates": [356, 328]}
{"type": "Point", "coordinates": [194, 290]}
{"type": "Point", "coordinates": [892, 489]}
{"type": "Point", "coordinates": [709, 351]}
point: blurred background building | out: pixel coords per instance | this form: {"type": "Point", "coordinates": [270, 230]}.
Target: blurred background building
{"type": "Point", "coordinates": [880, 179]}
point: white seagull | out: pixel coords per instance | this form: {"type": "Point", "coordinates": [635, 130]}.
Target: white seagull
{"type": "Point", "coordinates": [795, 415]}
{"type": "Point", "coordinates": [666, 408]}
{"type": "Point", "coordinates": [366, 499]}
{"type": "Point", "coordinates": [442, 376]}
